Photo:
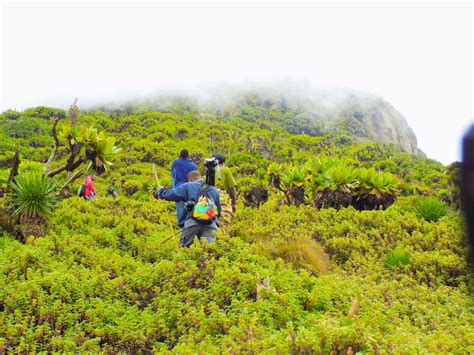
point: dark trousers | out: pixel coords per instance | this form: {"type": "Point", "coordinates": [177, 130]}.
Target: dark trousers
{"type": "Point", "coordinates": [180, 210]}
{"type": "Point", "coordinates": [200, 231]}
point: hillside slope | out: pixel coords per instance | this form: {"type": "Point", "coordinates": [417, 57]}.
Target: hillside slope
{"type": "Point", "coordinates": [315, 112]}
{"type": "Point", "coordinates": [107, 276]}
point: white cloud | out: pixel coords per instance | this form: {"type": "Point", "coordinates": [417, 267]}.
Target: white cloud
{"type": "Point", "coordinates": [419, 57]}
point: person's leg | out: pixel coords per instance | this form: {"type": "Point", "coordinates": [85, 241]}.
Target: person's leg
{"type": "Point", "coordinates": [225, 219]}
{"type": "Point", "coordinates": [187, 236]}
{"type": "Point", "coordinates": [180, 210]}
{"type": "Point", "coordinates": [207, 233]}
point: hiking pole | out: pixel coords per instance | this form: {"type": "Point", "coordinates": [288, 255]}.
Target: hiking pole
{"type": "Point", "coordinates": [167, 215]}
{"type": "Point", "coordinates": [156, 176]}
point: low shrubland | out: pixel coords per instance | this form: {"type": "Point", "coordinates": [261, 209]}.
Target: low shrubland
{"type": "Point", "coordinates": [323, 223]}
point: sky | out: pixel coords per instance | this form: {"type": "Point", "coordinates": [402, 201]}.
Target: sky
{"type": "Point", "coordinates": [417, 56]}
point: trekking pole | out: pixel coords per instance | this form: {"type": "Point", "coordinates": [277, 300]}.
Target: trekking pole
{"type": "Point", "coordinates": [156, 175]}
{"type": "Point", "coordinates": [167, 215]}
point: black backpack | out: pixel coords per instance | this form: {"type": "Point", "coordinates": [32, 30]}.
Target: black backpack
{"type": "Point", "coordinates": [81, 190]}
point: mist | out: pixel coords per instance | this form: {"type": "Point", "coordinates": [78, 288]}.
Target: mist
{"type": "Point", "coordinates": [417, 57]}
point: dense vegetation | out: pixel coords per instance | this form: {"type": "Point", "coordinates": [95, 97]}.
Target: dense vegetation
{"type": "Point", "coordinates": [356, 246]}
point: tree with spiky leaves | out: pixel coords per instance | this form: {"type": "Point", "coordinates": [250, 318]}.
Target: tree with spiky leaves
{"type": "Point", "coordinates": [375, 190]}
{"type": "Point", "coordinates": [33, 200]}
{"type": "Point", "coordinates": [319, 191]}
{"type": "Point", "coordinates": [342, 183]}
{"type": "Point", "coordinates": [294, 181]}
{"type": "Point", "coordinates": [84, 144]}
{"type": "Point", "coordinates": [275, 170]}
{"type": "Point", "coordinates": [330, 182]}
{"type": "Point", "coordinates": [33, 194]}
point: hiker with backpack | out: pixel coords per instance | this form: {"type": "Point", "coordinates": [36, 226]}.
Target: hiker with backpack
{"type": "Point", "coordinates": [202, 208]}
{"type": "Point", "coordinates": [225, 182]}
{"type": "Point", "coordinates": [87, 190]}
{"type": "Point", "coordinates": [180, 168]}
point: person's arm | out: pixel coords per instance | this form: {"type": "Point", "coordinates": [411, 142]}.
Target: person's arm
{"type": "Point", "coordinates": [232, 191]}
{"type": "Point", "coordinates": [176, 195]}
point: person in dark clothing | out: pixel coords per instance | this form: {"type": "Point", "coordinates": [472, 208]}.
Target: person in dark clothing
{"type": "Point", "coordinates": [190, 191]}
{"type": "Point", "coordinates": [180, 169]}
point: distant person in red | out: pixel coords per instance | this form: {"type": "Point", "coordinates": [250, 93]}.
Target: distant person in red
{"type": "Point", "coordinates": [89, 194]}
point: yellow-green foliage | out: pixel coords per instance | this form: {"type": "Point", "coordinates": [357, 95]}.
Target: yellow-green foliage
{"type": "Point", "coordinates": [108, 278]}
{"type": "Point", "coordinates": [305, 253]}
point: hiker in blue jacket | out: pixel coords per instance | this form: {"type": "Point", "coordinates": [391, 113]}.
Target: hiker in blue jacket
{"type": "Point", "coordinates": [190, 192]}
{"type": "Point", "coordinates": [180, 169]}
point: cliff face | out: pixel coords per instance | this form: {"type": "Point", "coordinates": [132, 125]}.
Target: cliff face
{"type": "Point", "coordinates": [378, 118]}
{"type": "Point", "coordinates": [359, 114]}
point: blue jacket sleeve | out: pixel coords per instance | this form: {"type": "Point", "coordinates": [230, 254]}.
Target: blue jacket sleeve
{"type": "Point", "coordinates": [176, 195]}
{"type": "Point", "coordinates": [173, 170]}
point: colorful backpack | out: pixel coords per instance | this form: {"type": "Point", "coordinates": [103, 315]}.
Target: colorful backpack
{"type": "Point", "coordinates": [205, 209]}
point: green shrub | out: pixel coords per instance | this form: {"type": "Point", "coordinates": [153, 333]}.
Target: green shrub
{"type": "Point", "coordinates": [396, 258]}
{"type": "Point", "coordinates": [431, 209]}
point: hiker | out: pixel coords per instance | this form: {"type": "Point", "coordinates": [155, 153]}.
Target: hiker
{"type": "Point", "coordinates": [89, 193]}
{"type": "Point", "coordinates": [194, 223]}
{"type": "Point", "coordinates": [225, 181]}
{"type": "Point", "coordinates": [180, 169]}
{"type": "Point", "coordinates": [112, 190]}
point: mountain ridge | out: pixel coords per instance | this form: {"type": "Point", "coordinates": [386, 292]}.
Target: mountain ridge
{"type": "Point", "coordinates": [311, 111]}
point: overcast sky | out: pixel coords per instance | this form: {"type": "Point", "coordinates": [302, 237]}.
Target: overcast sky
{"type": "Point", "coordinates": [418, 57]}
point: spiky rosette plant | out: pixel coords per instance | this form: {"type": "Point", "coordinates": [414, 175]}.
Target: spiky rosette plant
{"type": "Point", "coordinates": [101, 153]}
{"type": "Point", "coordinates": [99, 148]}
{"type": "Point", "coordinates": [375, 189]}
{"type": "Point", "coordinates": [294, 181]}
{"type": "Point", "coordinates": [342, 183]}
{"type": "Point", "coordinates": [333, 188]}
{"type": "Point", "coordinates": [274, 171]}
{"type": "Point", "coordinates": [318, 190]}
{"type": "Point", "coordinates": [33, 200]}
{"type": "Point", "coordinates": [431, 209]}
{"type": "Point", "coordinates": [397, 257]}
{"type": "Point", "coordinates": [318, 165]}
